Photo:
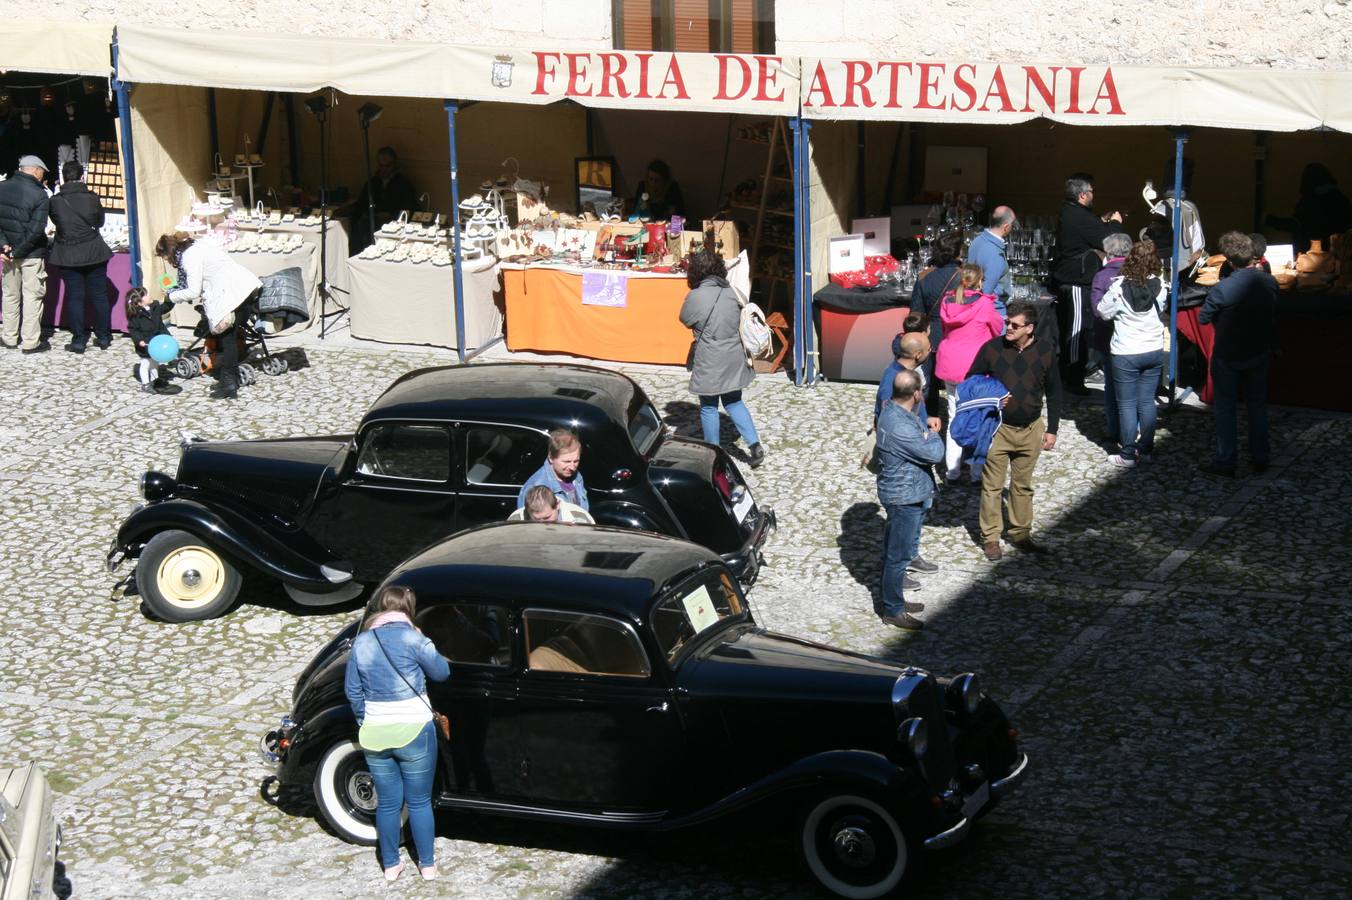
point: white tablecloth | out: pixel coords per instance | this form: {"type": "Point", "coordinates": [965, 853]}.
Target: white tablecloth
{"type": "Point", "coordinates": [335, 248]}
{"type": "Point", "coordinates": [414, 303]}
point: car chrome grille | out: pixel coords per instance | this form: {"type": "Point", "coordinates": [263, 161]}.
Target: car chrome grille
{"type": "Point", "coordinates": [927, 701]}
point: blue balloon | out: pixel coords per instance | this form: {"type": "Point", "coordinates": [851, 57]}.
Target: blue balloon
{"type": "Point", "coordinates": [162, 348]}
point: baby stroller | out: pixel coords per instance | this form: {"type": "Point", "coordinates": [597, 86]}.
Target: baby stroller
{"type": "Point", "coordinates": [282, 296]}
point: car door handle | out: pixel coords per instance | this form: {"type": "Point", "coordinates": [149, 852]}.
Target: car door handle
{"type": "Point", "coordinates": [660, 708]}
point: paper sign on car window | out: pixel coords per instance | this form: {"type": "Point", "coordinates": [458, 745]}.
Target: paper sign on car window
{"type": "Point", "coordinates": [699, 606]}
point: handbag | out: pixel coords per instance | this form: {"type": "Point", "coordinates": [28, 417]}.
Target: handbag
{"type": "Point", "coordinates": [443, 723]}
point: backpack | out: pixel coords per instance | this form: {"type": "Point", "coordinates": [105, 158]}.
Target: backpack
{"type": "Point", "coordinates": [753, 329]}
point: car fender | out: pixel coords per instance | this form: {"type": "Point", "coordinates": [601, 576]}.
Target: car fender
{"type": "Point", "coordinates": [626, 515]}
{"type": "Point", "coordinates": [316, 735]}
{"type": "Point", "coordinates": [857, 770]}
{"type": "Point", "coordinates": [232, 533]}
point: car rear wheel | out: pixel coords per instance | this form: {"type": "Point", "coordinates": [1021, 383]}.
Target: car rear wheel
{"type": "Point", "coordinates": [854, 847]}
{"type": "Point", "coordinates": [346, 793]}
{"type": "Point", "coordinates": [182, 579]}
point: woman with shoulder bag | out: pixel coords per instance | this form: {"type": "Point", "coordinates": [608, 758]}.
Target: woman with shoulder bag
{"type": "Point", "coordinates": [82, 255]}
{"type": "Point", "coordinates": [1134, 303]}
{"type": "Point", "coordinates": [386, 683]}
{"type": "Point", "coordinates": [719, 367]}
{"type": "Point", "coordinates": [222, 286]}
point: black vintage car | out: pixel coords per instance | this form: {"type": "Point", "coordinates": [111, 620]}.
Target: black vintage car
{"type": "Point", "coordinates": [617, 679]}
{"type": "Point", "coordinates": [443, 449]}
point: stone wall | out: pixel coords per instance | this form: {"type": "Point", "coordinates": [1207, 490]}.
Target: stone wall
{"type": "Point", "coordinates": [519, 23]}
{"type": "Point", "coordinates": [1295, 34]}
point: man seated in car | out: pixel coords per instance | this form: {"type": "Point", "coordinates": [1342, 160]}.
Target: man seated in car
{"type": "Point", "coordinates": [543, 505]}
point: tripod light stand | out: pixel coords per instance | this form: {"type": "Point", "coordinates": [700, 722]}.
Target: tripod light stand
{"type": "Point", "coordinates": [319, 105]}
{"type": "Point", "coordinates": [367, 114]}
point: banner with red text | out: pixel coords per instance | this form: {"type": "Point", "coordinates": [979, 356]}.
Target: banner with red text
{"type": "Point", "coordinates": [699, 82]}
{"type": "Point", "coordinates": [985, 92]}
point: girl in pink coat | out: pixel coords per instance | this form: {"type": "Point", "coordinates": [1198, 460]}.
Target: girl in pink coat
{"type": "Point", "coordinates": [970, 320]}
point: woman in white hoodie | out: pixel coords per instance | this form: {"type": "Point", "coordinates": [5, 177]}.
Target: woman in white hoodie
{"type": "Point", "coordinates": [207, 275]}
{"type": "Point", "coordinates": [1133, 303]}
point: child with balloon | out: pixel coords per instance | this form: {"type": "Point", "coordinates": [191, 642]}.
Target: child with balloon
{"type": "Point", "coordinates": [150, 336]}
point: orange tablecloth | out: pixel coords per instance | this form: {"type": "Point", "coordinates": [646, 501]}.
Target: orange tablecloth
{"type": "Point", "coordinates": [545, 313]}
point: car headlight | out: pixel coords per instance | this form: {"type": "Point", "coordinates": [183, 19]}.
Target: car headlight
{"type": "Point", "coordinates": [964, 694]}
{"type": "Point", "coordinates": [157, 486]}
{"type": "Point", "coordinates": [914, 733]}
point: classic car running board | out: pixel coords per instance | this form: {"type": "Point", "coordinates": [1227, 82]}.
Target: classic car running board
{"type": "Point", "coordinates": [515, 809]}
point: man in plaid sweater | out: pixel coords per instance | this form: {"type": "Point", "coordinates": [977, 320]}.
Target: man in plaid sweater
{"type": "Point", "coordinates": [1028, 369]}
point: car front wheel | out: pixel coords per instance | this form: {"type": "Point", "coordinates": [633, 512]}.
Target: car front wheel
{"type": "Point", "coordinates": [182, 579]}
{"type": "Point", "coordinates": [854, 847]}
{"type": "Point", "coordinates": [346, 793]}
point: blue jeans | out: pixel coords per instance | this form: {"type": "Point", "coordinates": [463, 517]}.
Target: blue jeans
{"type": "Point", "coordinates": [1135, 376]}
{"type": "Point", "coordinates": [91, 283]}
{"type": "Point", "coordinates": [404, 775]}
{"type": "Point", "coordinates": [1226, 380]}
{"type": "Point", "coordinates": [901, 543]}
{"type": "Point", "coordinates": [1110, 401]}
{"type": "Point", "coordinates": [741, 416]}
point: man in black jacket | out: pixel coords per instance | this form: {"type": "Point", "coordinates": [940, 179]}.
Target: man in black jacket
{"type": "Point", "coordinates": [1241, 308]}
{"type": "Point", "coordinates": [1079, 256]}
{"type": "Point", "coordinates": [23, 248]}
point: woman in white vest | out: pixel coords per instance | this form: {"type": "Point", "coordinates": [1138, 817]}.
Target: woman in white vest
{"type": "Point", "coordinates": [210, 278]}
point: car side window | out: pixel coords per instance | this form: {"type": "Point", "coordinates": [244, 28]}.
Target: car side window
{"type": "Point", "coordinates": [414, 452]}
{"type": "Point", "coordinates": [583, 644]}
{"type": "Point", "coordinates": [503, 455]}
{"type": "Point", "coordinates": [474, 634]}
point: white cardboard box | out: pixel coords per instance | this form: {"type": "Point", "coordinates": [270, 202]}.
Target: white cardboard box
{"type": "Point", "coordinates": [845, 254]}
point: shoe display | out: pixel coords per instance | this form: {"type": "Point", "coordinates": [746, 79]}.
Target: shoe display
{"type": "Point", "coordinates": [1209, 469]}
{"type": "Point", "coordinates": [922, 565]}
{"type": "Point", "coordinates": [1028, 545]}
{"type": "Point", "coordinates": [904, 621]}
{"type": "Point", "coordinates": [757, 454]}
{"type": "Point", "coordinates": [992, 550]}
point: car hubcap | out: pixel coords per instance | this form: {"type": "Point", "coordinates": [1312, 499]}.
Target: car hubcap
{"type": "Point", "coordinates": [190, 576]}
{"type": "Point", "coordinates": [854, 847]}
{"type": "Point", "coordinates": [361, 788]}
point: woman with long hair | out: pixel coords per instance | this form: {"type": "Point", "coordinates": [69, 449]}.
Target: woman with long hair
{"type": "Point", "coordinates": [1133, 303]}
{"type": "Point", "coordinates": [719, 367]}
{"type": "Point", "coordinates": [388, 668]}
{"type": "Point", "coordinates": [207, 275]}
{"type": "Point", "coordinates": [81, 253]}
{"type": "Point", "coordinates": [970, 319]}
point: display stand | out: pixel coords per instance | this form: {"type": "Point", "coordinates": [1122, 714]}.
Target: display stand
{"type": "Point", "coordinates": [249, 170]}
{"type": "Point", "coordinates": [771, 281]}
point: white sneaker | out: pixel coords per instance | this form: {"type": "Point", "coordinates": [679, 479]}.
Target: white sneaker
{"type": "Point", "coordinates": [1121, 461]}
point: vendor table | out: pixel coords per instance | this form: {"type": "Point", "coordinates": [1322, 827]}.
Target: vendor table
{"type": "Point", "coordinates": [545, 312]}
{"type": "Point", "coordinates": [119, 281]}
{"type": "Point", "coordinates": [414, 303]}
{"type": "Point", "coordinates": [335, 247]}
{"type": "Point", "coordinates": [856, 327]}
{"type": "Point", "coordinates": [306, 258]}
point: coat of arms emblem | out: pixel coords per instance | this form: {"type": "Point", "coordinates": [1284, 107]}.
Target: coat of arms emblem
{"type": "Point", "coordinates": [502, 71]}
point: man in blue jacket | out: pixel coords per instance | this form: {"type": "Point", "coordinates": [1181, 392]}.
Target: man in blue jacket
{"type": "Point", "coordinates": [988, 251]}
{"type": "Point", "coordinates": [906, 450]}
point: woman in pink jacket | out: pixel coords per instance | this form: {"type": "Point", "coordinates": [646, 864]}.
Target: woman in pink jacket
{"type": "Point", "coordinates": [970, 320]}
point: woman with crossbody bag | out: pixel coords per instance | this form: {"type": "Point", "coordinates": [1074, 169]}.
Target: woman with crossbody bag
{"type": "Point", "coordinates": [82, 255]}
{"type": "Point", "coordinates": [719, 368]}
{"type": "Point", "coordinates": [386, 683]}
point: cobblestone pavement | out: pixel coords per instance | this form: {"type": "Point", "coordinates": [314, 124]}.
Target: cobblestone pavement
{"type": "Point", "coordinates": [1177, 667]}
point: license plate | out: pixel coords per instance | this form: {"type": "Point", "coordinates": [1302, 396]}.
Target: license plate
{"type": "Point", "coordinates": [979, 798]}
{"type": "Point", "coordinates": [743, 506]}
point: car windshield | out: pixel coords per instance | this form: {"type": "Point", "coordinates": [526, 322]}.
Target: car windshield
{"type": "Point", "coordinates": [645, 425]}
{"type": "Point", "coordinates": [693, 608]}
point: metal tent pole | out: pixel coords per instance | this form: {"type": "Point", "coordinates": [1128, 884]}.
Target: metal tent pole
{"type": "Point", "coordinates": [451, 109]}
{"type": "Point", "coordinates": [1180, 138]}
{"type": "Point", "coordinates": [122, 90]}
{"type": "Point", "coordinates": [799, 346]}
{"type": "Point", "coordinates": [809, 333]}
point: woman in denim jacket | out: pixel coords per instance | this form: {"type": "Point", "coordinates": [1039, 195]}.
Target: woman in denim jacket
{"type": "Point", "coordinates": [386, 683]}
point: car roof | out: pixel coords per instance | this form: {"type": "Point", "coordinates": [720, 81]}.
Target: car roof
{"type": "Point", "coordinates": [585, 567]}
{"type": "Point", "coordinates": [542, 394]}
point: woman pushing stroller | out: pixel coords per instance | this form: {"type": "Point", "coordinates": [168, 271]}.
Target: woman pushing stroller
{"type": "Point", "coordinates": [209, 277]}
